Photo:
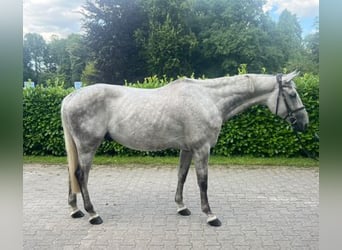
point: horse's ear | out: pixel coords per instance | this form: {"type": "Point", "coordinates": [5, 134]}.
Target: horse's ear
{"type": "Point", "coordinates": [290, 76]}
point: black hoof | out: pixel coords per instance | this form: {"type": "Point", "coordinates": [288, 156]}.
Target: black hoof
{"type": "Point", "coordinates": [77, 214]}
{"type": "Point", "coordinates": [96, 220]}
{"type": "Point", "coordinates": [215, 223]}
{"type": "Point", "coordinates": [184, 212]}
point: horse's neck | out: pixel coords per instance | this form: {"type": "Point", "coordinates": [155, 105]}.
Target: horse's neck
{"type": "Point", "coordinates": [247, 91]}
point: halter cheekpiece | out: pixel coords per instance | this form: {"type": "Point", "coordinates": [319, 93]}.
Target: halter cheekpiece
{"type": "Point", "coordinates": [290, 112]}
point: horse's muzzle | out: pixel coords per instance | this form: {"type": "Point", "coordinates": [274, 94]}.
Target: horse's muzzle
{"type": "Point", "coordinates": [299, 120]}
{"type": "Point", "coordinates": [298, 126]}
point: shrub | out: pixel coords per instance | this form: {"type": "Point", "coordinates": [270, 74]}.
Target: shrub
{"type": "Point", "coordinates": [42, 128]}
{"type": "Point", "coordinates": [255, 132]}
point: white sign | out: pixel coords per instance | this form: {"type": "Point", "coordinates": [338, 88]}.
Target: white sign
{"type": "Point", "coordinates": [77, 85]}
{"type": "Point", "coordinates": [28, 84]}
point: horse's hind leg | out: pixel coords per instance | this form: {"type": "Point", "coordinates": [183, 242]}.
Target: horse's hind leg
{"type": "Point", "coordinates": [201, 158]}
{"type": "Point", "coordinates": [72, 200]}
{"type": "Point", "coordinates": [82, 174]}
{"type": "Point", "coordinates": [184, 164]}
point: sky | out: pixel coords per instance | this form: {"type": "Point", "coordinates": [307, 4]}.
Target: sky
{"type": "Point", "coordinates": [62, 17]}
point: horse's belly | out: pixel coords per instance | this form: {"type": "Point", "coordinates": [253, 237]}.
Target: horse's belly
{"type": "Point", "coordinates": [153, 138]}
{"type": "Point", "coordinates": [149, 140]}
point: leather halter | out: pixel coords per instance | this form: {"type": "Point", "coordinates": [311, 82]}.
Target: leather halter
{"type": "Point", "coordinates": [290, 112]}
{"type": "Point", "coordinates": [293, 119]}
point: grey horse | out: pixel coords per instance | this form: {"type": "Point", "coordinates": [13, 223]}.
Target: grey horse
{"type": "Point", "coordinates": [186, 114]}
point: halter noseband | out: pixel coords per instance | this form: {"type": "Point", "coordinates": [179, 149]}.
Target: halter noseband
{"type": "Point", "coordinates": [290, 112]}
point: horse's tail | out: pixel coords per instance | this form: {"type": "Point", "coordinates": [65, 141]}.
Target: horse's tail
{"type": "Point", "coordinates": [71, 150]}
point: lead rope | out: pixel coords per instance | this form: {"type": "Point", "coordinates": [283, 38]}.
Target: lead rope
{"type": "Point", "coordinates": [307, 153]}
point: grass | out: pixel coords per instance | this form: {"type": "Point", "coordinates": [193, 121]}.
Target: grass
{"type": "Point", "coordinates": [148, 160]}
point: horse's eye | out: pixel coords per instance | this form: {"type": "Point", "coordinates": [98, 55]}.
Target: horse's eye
{"type": "Point", "coordinates": [293, 94]}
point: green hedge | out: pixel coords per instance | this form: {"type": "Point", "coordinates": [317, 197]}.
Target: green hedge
{"type": "Point", "coordinates": [43, 132]}
{"type": "Point", "coordinates": [255, 132]}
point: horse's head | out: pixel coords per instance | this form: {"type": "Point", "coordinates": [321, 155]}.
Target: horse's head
{"type": "Point", "coordinates": [286, 103]}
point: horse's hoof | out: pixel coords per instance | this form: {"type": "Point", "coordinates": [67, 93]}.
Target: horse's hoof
{"type": "Point", "coordinates": [95, 220]}
{"type": "Point", "coordinates": [214, 222]}
{"type": "Point", "coordinates": [184, 212]}
{"type": "Point", "coordinates": [77, 214]}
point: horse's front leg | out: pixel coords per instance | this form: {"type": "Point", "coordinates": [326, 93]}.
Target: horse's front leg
{"type": "Point", "coordinates": [184, 164]}
{"type": "Point", "coordinates": [201, 158]}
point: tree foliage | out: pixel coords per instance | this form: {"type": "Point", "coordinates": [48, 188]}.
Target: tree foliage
{"type": "Point", "coordinates": [311, 45]}
{"type": "Point", "coordinates": [231, 33]}
{"type": "Point", "coordinates": [168, 42]}
{"type": "Point", "coordinates": [34, 54]}
{"type": "Point", "coordinates": [132, 39]}
{"type": "Point", "coordinates": [59, 60]}
{"type": "Point", "coordinates": [110, 26]}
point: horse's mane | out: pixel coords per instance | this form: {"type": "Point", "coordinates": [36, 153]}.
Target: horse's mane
{"type": "Point", "coordinates": [237, 83]}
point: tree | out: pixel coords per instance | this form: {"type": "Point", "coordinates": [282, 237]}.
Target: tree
{"type": "Point", "coordinates": [167, 41]}
{"type": "Point", "coordinates": [28, 72]}
{"type": "Point", "coordinates": [34, 51]}
{"type": "Point", "coordinates": [110, 26]}
{"type": "Point", "coordinates": [290, 39]}
{"type": "Point", "coordinates": [78, 56]}
{"type": "Point", "coordinates": [231, 33]}
{"type": "Point", "coordinates": [132, 39]}
{"type": "Point", "coordinates": [65, 59]}
{"type": "Point", "coordinates": [311, 44]}
{"type": "Point", "coordinates": [58, 61]}
{"type": "Point", "coordinates": [167, 48]}
{"type": "Point", "coordinates": [89, 74]}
